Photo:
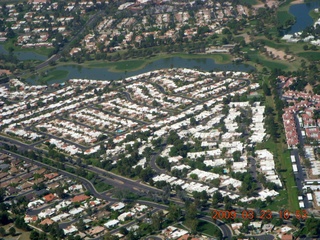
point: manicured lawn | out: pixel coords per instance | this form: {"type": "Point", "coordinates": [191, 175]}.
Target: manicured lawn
{"type": "Point", "coordinates": [42, 50]}
{"type": "Point", "coordinates": [178, 225]}
{"type": "Point", "coordinates": [284, 168]}
{"type": "Point", "coordinates": [270, 64]}
{"type": "Point", "coordinates": [283, 163]}
{"type": "Point", "coordinates": [311, 56]}
{"type": "Point", "coordinates": [207, 228]}
{"type": "Point", "coordinates": [284, 16]}
{"type": "Point", "coordinates": [54, 75]}
{"type": "Point", "coordinates": [102, 186]}
{"type": "Point", "coordinates": [252, 2]}
{"type": "Point", "coordinates": [132, 65]}
{"type": "Point", "coordinates": [314, 15]}
{"type": "Point", "coordinates": [120, 66]}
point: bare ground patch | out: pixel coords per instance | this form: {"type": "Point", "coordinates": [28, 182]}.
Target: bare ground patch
{"type": "Point", "coordinates": [278, 54]}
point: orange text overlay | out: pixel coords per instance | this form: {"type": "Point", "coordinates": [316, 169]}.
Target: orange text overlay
{"type": "Point", "coordinates": [262, 214]}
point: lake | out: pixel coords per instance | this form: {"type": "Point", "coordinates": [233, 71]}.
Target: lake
{"type": "Point", "coordinates": [205, 64]}
{"type": "Point", "coordinates": [301, 13]}
{"type": "Point", "coordinates": [25, 55]}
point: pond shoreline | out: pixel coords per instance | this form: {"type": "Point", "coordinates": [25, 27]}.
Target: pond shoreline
{"type": "Point", "coordinates": [118, 70]}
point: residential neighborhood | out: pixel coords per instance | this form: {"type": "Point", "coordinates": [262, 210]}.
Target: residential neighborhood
{"type": "Point", "coordinates": [204, 145]}
{"type": "Point", "coordinates": [157, 119]}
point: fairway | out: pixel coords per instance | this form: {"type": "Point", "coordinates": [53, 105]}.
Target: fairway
{"type": "Point", "coordinates": [133, 65]}
{"type": "Point", "coordinates": [284, 16]}
{"type": "Point", "coordinates": [54, 75]}
{"type": "Point", "coordinates": [251, 2]}
{"type": "Point", "coordinates": [311, 56]}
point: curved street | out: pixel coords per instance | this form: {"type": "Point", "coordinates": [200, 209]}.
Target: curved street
{"type": "Point", "coordinates": [122, 183]}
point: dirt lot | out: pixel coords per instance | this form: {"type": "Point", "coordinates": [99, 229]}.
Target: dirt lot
{"type": "Point", "coordinates": [277, 54]}
{"type": "Point", "coordinates": [270, 3]}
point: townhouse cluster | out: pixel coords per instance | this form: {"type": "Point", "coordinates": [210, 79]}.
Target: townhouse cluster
{"type": "Point", "coordinates": [82, 115]}
{"type": "Point", "coordinates": [301, 123]}
{"type": "Point", "coordinates": [267, 166]}
{"type": "Point", "coordinates": [299, 118]}
{"type": "Point", "coordinates": [148, 94]}
{"type": "Point", "coordinates": [215, 140]}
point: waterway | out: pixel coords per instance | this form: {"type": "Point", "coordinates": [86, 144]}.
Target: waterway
{"type": "Point", "coordinates": [24, 55]}
{"type": "Point", "coordinates": [205, 64]}
{"type": "Point", "coordinates": [301, 13]}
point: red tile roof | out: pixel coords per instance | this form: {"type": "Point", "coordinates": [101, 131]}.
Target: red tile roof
{"type": "Point", "coordinates": [80, 198]}
{"type": "Point", "coordinates": [49, 197]}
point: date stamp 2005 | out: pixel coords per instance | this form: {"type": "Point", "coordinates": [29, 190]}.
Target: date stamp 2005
{"type": "Point", "coordinates": [263, 214]}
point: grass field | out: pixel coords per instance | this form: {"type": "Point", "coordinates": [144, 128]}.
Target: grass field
{"type": "Point", "coordinates": [120, 66]}
{"type": "Point", "coordinates": [102, 186]}
{"type": "Point", "coordinates": [311, 56]}
{"type": "Point", "coordinates": [314, 15]}
{"type": "Point", "coordinates": [20, 234]}
{"type": "Point", "coordinates": [258, 59]}
{"type": "Point", "coordinates": [284, 16]}
{"type": "Point", "coordinates": [283, 163]}
{"type": "Point", "coordinates": [54, 75]}
{"type": "Point", "coordinates": [282, 159]}
{"type": "Point", "coordinates": [132, 65]}
{"type": "Point", "coordinates": [207, 228]}
{"type": "Point", "coordinates": [252, 2]}
{"type": "Point", "coordinates": [42, 50]}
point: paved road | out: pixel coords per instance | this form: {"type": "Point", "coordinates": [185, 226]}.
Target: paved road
{"type": "Point", "coordinates": [300, 175]}
{"type": "Point", "coordinates": [88, 185]}
{"type": "Point", "coordinates": [122, 182]}
{"type": "Point", "coordinates": [126, 183]}
{"type": "Point", "coordinates": [253, 164]}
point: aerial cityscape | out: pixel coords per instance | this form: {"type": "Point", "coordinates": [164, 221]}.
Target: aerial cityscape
{"type": "Point", "coordinates": [159, 119]}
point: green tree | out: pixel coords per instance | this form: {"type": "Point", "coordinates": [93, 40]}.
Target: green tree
{"type": "Point", "coordinates": [174, 212]}
{"type": "Point", "coordinates": [191, 211]}
{"type": "Point", "coordinates": [192, 224]}
{"type": "Point", "coordinates": [216, 199]}
{"type": "Point", "coordinates": [296, 222]}
{"type": "Point", "coordinates": [313, 226]}
{"type": "Point", "coordinates": [157, 219]}
{"type": "Point", "coordinates": [236, 156]}
{"type": "Point", "coordinates": [2, 232]}
{"type": "Point", "coordinates": [12, 231]}
{"type": "Point", "coordinates": [34, 235]}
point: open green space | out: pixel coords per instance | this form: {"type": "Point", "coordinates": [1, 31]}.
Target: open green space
{"type": "Point", "coordinates": [314, 15]}
{"type": "Point", "coordinates": [283, 163]}
{"type": "Point", "coordinates": [45, 51]}
{"type": "Point", "coordinates": [101, 186]}
{"type": "Point", "coordinates": [20, 234]}
{"type": "Point", "coordinates": [133, 65]}
{"type": "Point", "coordinates": [207, 228]}
{"type": "Point", "coordinates": [251, 2]}
{"type": "Point", "coordinates": [53, 75]}
{"type": "Point", "coordinates": [294, 48]}
{"type": "Point", "coordinates": [258, 59]}
{"type": "Point", "coordinates": [284, 167]}
{"type": "Point", "coordinates": [284, 17]}
{"type": "Point", "coordinates": [311, 56]}
{"type": "Point", "coordinates": [280, 202]}
{"type": "Point", "coordinates": [121, 66]}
